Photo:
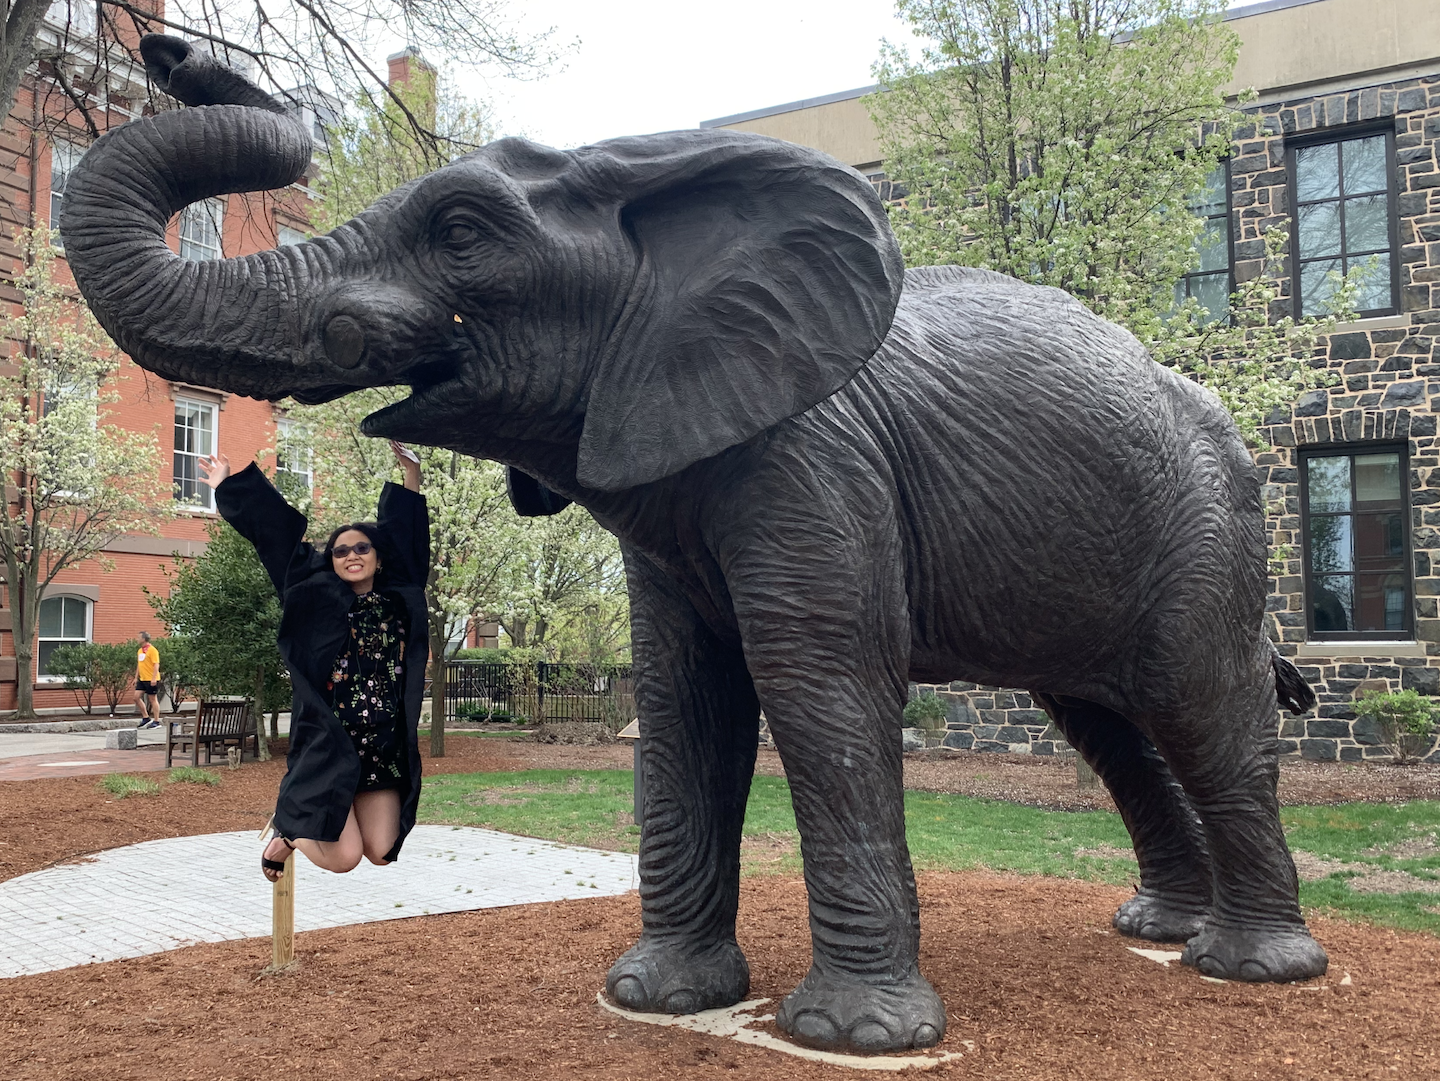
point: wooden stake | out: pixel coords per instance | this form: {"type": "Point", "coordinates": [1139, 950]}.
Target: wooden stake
{"type": "Point", "coordinates": [282, 919]}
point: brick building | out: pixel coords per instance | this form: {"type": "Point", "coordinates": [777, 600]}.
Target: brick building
{"type": "Point", "coordinates": [40, 142]}
{"type": "Point", "coordinates": [1340, 151]}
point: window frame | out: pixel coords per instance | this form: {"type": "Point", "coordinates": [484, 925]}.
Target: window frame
{"type": "Point", "coordinates": [45, 677]}
{"type": "Point", "coordinates": [1353, 449]}
{"type": "Point", "coordinates": [1229, 215]}
{"type": "Point", "coordinates": [196, 249]}
{"type": "Point", "coordinates": [57, 198]}
{"type": "Point", "coordinates": [1392, 204]}
{"type": "Point", "coordinates": [208, 506]}
{"type": "Point", "coordinates": [284, 429]}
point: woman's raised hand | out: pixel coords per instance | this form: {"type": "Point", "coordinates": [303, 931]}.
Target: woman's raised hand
{"type": "Point", "coordinates": [214, 468]}
{"type": "Point", "coordinates": [409, 463]}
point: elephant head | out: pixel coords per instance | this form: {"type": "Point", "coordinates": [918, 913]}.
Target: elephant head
{"type": "Point", "coordinates": [645, 302]}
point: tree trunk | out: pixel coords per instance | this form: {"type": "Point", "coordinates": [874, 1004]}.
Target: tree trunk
{"type": "Point", "coordinates": [437, 691]}
{"type": "Point", "coordinates": [262, 745]}
{"type": "Point", "coordinates": [25, 611]}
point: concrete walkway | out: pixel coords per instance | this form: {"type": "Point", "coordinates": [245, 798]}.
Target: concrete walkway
{"type": "Point", "coordinates": [163, 895]}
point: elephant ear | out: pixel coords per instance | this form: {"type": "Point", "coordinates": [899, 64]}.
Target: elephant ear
{"type": "Point", "coordinates": [529, 497]}
{"type": "Point", "coordinates": [768, 276]}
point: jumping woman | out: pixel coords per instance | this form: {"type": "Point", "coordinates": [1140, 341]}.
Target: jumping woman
{"type": "Point", "coordinates": [354, 635]}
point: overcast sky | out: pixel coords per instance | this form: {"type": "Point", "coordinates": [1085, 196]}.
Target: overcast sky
{"type": "Point", "coordinates": [657, 65]}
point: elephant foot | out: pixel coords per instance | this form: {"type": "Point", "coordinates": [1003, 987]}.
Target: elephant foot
{"type": "Point", "coordinates": [1151, 917]}
{"type": "Point", "coordinates": [1256, 955]}
{"type": "Point", "coordinates": [661, 977]}
{"type": "Point", "coordinates": [835, 1013]}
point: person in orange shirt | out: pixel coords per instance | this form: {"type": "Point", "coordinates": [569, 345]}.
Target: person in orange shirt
{"type": "Point", "coordinates": [147, 683]}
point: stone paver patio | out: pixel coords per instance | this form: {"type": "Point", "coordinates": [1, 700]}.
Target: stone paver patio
{"type": "Point", "coordinates": [162, 895]}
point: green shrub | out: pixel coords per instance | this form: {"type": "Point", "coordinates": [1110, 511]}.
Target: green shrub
{"type": "Point", "coordinates": [121, 786]}
{"type": "Point", "coordinates": [73, 663]}
{"type": "Point", "coordinates": [926, 711]}
{"type": "Point", "coordinates": [1406, 720]}
{"type": "Point", "coordinates": [192, 775]}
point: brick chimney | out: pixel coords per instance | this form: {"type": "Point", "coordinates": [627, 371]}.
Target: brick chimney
{"type": "Point", "coordinates": [406, 65]}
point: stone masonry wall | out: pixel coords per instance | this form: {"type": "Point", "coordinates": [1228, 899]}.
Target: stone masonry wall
{"type": "Point", "coordinates": [1386, 375]}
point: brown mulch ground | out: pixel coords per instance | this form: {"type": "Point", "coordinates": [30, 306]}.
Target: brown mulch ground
{"type": "Point", "coordinates": [1037, 985]}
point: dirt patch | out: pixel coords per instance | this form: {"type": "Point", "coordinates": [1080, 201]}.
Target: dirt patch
{"type": "Point", "coordinates": [1107, 852]}
{"type": "Point", "coordinates": [1031, 974]}
{"type": "Point", "coordinates": [581, 733]}
{"type": "Point", "coordinates": [1378, 881]}
{"type": "Point", "coordinates": [1311, 868]}
{"type": "Point", "coordinates": [1414, 848]}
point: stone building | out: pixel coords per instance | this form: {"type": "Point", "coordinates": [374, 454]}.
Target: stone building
{"type": "Point", "coordinates": [1341, 152]}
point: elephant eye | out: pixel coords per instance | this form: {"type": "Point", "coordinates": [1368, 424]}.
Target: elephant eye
{"type": "Point", "coordinates": [459, 234]}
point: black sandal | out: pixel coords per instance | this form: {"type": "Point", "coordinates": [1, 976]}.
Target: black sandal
{"type": "Point", "coordinates": [277, 866]}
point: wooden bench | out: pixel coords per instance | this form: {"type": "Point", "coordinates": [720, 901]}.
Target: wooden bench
{"type": "Point", "coordinates": [217, 720]}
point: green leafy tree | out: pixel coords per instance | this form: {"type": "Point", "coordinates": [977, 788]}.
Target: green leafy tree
{"type": "Point", "coordinates": [224, 605]}
{"type": "Point", "coordinates": [1063, 143]}
{"type": "Point", "coordinates": [75, 481]}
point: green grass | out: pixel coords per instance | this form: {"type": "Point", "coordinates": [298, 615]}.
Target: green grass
{"type": "Point", "coordinates": [192, 775]}
{"type": "Point", "coordinates": [122, 785]}
{"type": "Point", "coordinates": [947, 832]}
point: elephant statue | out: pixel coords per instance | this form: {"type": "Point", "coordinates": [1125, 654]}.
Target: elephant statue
{"type": "Point", "coordinates": [830, 476]}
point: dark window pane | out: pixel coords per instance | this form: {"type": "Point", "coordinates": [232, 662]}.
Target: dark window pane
{"type": "Point", "coordinates": [1367, 227]}
{"type": "Point", "coordinates": [1374, 274]}
{"type": "Point", "coordinates": [1211, 199]}
{"type": "Point", "coordinates": [1377, 481]}
{"type": "Point", "coordinates": [1331, 603]}
{"type": "Point", "coordinates": [1364, 164]}
{"type": "Point", "coordinates": [1331, 546]}
{"type": "Point", "coordinates": [1380, 602]}
{"type": "Point", "coordinates": [1214, 244]}
{"type": "Point", "coordinates": [1317, 287]}
{"type": "Point", "coordinates": [1379, 542]}
{"type": "Point", "coordinates": [1319, 230]}
{"type": "Point", "coordinates": [1317, 172]}
{"type": "Point", "coordinates": [42, 656]}
{"type": "Point", "coordinates": [50, 617]}
{"type": "Point", "coordinates": [1213, 293]}
{"type": "Point", "coordinates": [74, 622]}
{"type": "Point", "coordinates": [1329, 483]}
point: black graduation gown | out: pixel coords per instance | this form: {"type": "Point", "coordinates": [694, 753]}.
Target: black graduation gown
{"type": "Point", "coordinates": [324, 770]}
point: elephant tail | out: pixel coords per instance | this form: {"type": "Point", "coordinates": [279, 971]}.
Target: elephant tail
{"type": "Point", "coordinates": [1290, 686]}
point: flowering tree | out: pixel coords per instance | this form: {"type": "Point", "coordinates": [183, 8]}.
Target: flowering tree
{"type": "Point", "coordinates": [75, 482]}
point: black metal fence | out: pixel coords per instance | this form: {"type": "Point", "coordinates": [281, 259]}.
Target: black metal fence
{"type": "Point", "coordinates": [531, 693]}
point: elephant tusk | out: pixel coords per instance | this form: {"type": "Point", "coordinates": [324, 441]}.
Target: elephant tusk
{"type": "Point", "coordinates": [458, 319]}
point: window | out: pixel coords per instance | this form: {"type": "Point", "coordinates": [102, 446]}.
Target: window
{"type": "Point", "coordinates": [1355, 515]}
{"type": "Point", "coordinates": [292, 454]}
{"type": "Point", "coordinates": [64, 621]}
{"type": "Point", "coordinates": [1210, 283]}
{"type": "Point", "coordinates": [1344, 221]}
{"type": "Point", "coordinates": [285, 235]}
{"type": "Point", "coordinates": [194, 438]}
{"type": "Point", "coordinates": [78, 16]}
{"type": "Point", "coordinates": [201, 228]}
{"type": "Point", "coordinates": [63, 159]}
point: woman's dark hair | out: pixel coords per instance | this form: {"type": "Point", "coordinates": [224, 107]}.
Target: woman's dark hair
{"type": "Point", "coordinates": [371, 530]}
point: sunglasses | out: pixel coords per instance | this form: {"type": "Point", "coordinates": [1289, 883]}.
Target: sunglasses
{"type": "Point", "coordinates": [340, 551]}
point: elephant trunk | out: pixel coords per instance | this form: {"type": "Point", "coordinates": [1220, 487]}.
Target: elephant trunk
{"type": "Point", "coordinates": [235, 324]}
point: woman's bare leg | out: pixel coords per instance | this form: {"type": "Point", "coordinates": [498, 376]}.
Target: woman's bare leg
{"type": "Point", "coordinates": [378, 815]}
{"type": "Point", "coordinates": [339, 855]}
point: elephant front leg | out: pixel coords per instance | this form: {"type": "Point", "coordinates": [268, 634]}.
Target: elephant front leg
{"type": "Point", "coordinates": [829, 655]}
{"type": "Point", "coordinates": [699, 726]}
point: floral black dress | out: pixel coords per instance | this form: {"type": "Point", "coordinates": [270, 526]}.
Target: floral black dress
{"type": "Point", "coordinates": [366, 689]}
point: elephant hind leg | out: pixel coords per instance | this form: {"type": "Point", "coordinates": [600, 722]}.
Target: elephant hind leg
{"type": "Point", "coordinates": [1174, 896]}
{"type": "Point", "coordinates": [1223, 751]}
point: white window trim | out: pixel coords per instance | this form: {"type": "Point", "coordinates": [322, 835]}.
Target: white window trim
{"type": "Point", "coordinates": [207, 507]}
{"type": "Point", "coordinates": [215, 205]}
{"type": "Point", "coordinates": [89, 631]}
{"type": "Point", "coordinates": [282, 423]}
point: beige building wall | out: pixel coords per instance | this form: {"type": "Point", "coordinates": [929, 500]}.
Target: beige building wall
{"type": "Point", "coordinates": [1320, 45]}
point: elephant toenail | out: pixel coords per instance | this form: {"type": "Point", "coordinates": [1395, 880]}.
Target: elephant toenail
{"type": "Point", "coordinates": [815, 1029]}
{"type": "Point", "coordinates": [870, 1036]}
{"type": "Point", "coordinates": [926, 1036]}
{"type": "Point", "coordinates": [1254, 971]}
{"type": "Point", "coordinates": [682, 1002]}
{"type": "Point", "coordinates": [629, 992]}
